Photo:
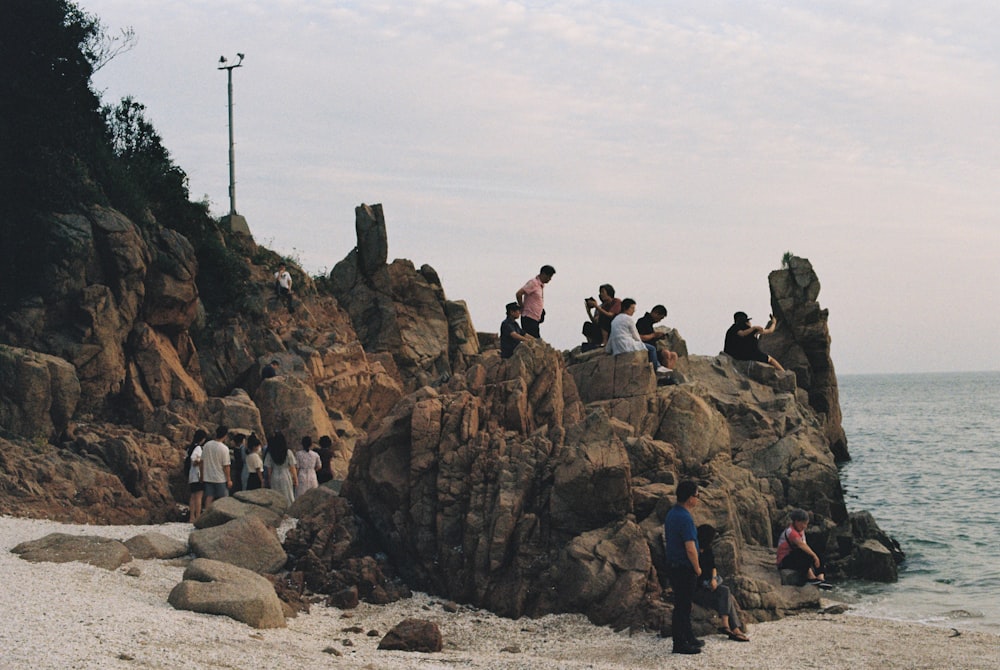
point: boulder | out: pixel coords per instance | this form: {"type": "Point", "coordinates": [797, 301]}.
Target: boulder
{"type": "Point", "coordinates": [224, 510]}
{"type": "Point", "coordinates": [213, 587]}
{"type": "Point", "coordinates": [266, 498]}
{"type": "Point", "coordinates": [413, 635]}
{"type": "Point", "coordinates": [307, 504]}
{"type": "Point", "coordinates": [876, 561]}
{"type": "Point", "coordinates": [100, 552]}
{"type": "Point", "coordinates": [38, 393]}
{"type": "Point", "coordinates": [246, 543]}
{"type": "Point", "coordinates": [290, 405]}
{"type": "Point", "coordinates": [154, 545]}
{"type": "Point", "coordinates": [603, 377]}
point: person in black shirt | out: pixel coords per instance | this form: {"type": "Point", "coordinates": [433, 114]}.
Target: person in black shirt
{"type": "Point", "coordinates": [712, 592]}
{"type": "Point", "coordinates": [511, 333]}
{"type": "Point", "coordinates": [742, 340]}
{"type": "Point", "coordinates": [649, 334]}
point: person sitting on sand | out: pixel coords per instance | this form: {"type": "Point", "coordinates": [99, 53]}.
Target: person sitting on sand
{"type": "Point", "coordinates": [712, 593]}
{"type": "Point", "coordinates": [794, 553]}
{"type": "Point", "coordinates": [743, 340]}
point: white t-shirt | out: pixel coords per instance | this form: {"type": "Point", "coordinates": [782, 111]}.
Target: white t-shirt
{"type": "Point", "coordinates": [284, 279]}
{"type": "Point", "coordinates": [194, 475]}
{"type": "Point", "coordinates": [215, 455]}
{"type": "Point", "coordinates": [624, 336]}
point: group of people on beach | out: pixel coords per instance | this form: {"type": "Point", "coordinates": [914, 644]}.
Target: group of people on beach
{"type": "Point", "coordinates": [694, 576]}
{"type": "Point", "coordinates": [237, 460]}
{"type": "Point", "coordinates": [610, 324]}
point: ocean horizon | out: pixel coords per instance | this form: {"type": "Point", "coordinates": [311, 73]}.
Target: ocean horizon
{"type": "Point", "coordinates": [925, 450]}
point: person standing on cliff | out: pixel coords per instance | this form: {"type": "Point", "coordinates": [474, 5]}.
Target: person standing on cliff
{"type": "Point", "coordinates": [215, 465]}
{"type": "Point", "coordinates": [680, 538]}
{"type": "Point", "coordinates": [531, 299]}
{"type": "Point", "coordinates": [283, 286]}
{"type": "Point", "coordinates": [743, 340]}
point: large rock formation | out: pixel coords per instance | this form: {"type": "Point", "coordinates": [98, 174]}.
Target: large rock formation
{"type": "Point", "coordinates": [399, 310]}
{"type": "Point", "coordinates": [802, 344]}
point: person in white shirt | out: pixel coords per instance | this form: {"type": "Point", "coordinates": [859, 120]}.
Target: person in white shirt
{"type": "Point", "coordinates": [195, 483]}
{"type": "Point", "coordinates": [215, 463]}
{"type": "Point", "coordinates": [625, 337]}
{"type": "Point", "coordinates": [283, 286]}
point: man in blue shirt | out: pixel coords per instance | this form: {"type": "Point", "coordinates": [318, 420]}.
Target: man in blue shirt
{"type": "Point", "coordinates": [680, 537]}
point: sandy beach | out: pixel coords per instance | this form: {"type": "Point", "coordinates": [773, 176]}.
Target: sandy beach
{"type": "Point", "coordinates": [74, 615]}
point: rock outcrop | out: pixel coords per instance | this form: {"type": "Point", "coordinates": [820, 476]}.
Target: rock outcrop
{"type": "Point", "coordinates": [213, 587]}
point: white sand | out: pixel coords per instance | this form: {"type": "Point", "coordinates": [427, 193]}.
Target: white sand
{"type": "Point", "coordinates": [76, 616]}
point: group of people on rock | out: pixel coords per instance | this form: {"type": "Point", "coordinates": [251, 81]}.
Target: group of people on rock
{"type": "Point", "coordinates": [611, 324]}
{"type": "Point", "coordinates": [694, 576]}
{"type": "Point", "coordinates": [238, 461]}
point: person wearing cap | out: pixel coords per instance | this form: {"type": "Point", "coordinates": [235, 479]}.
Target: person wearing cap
{"type": "Point", "coordinates": [511, 333]}
{"type": "Point", "coordinates": [531, 299]}
{"type": "Point", "coordinates": [794, 553]}
{"type": "Point", "coordinates": [743, 340]}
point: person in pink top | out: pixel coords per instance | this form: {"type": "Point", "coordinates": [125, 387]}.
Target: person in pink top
{"type": "Point", "coordinates": [531, 298]}
{"type": "Point", "coordinates": [794, 553]}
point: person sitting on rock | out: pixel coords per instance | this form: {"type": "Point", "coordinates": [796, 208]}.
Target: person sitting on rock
{"type": "Point", "coordinates": [603, 313]}
{"type": "Point", "coordinates": [650, 335]}
{"type": "Point", "coordinates": [712, 593]}
{"type": "Point", "coordinates": [270, 370]}
{"type": "Point", "coordinates": [743, 340]}
{"type": "Point", "coordinates": [511, 333]}
{"type": "Point", "coordinates": [625, 338]}
{"type": "Point", "coordinates": [794, 553]}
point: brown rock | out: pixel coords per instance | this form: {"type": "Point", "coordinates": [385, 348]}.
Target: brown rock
{"type": "Point", "coordinates": [214, 587]}
{"type": "Point", "coordinates": [38, 393]}
{"type": "Point", "coordinates": [155, 545]}
{"type": "Point", "coordinates": [246, 543]}
{"type": "Point", "coordinates": [413, 635]}
{"type": "Point", "coordinates": [62, 548]}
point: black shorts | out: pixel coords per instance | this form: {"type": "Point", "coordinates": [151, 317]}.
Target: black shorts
{"type": "Point", "coordinates": [196, 487]}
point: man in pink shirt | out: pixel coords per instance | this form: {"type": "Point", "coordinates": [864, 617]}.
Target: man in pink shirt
{"type": "Point", "coordinates": [531, 298]}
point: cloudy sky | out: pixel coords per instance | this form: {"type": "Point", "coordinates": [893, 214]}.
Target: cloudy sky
{"type": "Point", "coordinates": [673, 149]}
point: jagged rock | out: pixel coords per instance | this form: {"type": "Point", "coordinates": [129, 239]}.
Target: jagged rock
{"type": "Point", "coordinates": [397, 309]}
{"type": "Point", "coordinates": [308, 503]}
{"type": "Point", "coordinates": [171, 292]}
{"type": "Point", "coordinates": [245, 542]}
{"type": "Point", "coordinates": [38, 393]}
{"type": "Point", "coordinates": [157, 375]}
{"type": "Point", "coordinates": [214, 587]}
{"type": "Point", "coordinates": [100, 552]}
{"type": "Point", "coordinates": [876, 562]}
{"type": "Point", "coordinates": [697, 430]}
{"type": "Point", "coordinates": [155, 545]}
{"type": "Point", "coordinates": [227, 509]}
{"type": "Point", "coordinates": [603, 377]}
{"type": "Point", "coordinates": [413, 635]}
{"type": "Point", "coordinates": [802, 344]}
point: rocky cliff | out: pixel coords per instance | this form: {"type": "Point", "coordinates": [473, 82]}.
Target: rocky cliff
{"type": "Point", "coordinates": [527, 486]}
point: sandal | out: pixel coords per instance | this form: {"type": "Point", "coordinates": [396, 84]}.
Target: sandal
{"type": "Point", "coordinates": [738, 637]}
{"type": "Point", "coordinates": [724, 631]}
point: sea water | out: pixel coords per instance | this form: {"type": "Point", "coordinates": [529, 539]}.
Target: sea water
{"type": "Point", "coordinates": [925, 452]}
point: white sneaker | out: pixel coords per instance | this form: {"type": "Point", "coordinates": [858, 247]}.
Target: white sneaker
{"type": "Point", "coordinates": [661, 370]}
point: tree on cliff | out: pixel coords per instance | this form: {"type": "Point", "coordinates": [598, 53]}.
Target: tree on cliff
{"type": "Point", "coordinates": [60, 151]}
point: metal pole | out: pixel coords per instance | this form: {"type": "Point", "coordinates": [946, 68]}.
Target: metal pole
{"type": "Point", "coordinates": [232, 153]}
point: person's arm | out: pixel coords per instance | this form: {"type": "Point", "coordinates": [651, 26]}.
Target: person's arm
{"type": "Point", "coordinates": [801, 543]}
{"type": "Point", "coordinates": [772, 323]}
{"type": "Point", "coordinates": [691, 549]}
{"type": "Point", "coordinates": [713, 581]}
{"type": "Point", "coordinates": [519, 296]}
{"type": "Point", "coordinates": [319, 463]}
{"type": "Point", "coordinates": [591, 306]}
{"type": "Point", "coordinates": [201, 470]}
{"type": "Point", "coordinates": [519, 337]}
{"type": "Point", "coordinates": [650, 337]}
{"type": "Point", "coordinates": [229, 480]}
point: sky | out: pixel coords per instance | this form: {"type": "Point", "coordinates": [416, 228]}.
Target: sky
{"type": "Point", "coordinates": [676, 150]}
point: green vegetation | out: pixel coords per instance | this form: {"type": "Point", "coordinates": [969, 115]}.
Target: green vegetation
{"type": "Point", "coordinates": [786, 260]}
{"type": "Point", "coordinates": [62, 151]}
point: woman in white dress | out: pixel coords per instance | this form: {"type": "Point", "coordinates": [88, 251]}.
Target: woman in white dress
{"type": "Point", "coordinates": [281, 467]}
{"type": "Point", "coordinates": [195, 483]}
{"type": "Point", "coordinates": [309, 464]}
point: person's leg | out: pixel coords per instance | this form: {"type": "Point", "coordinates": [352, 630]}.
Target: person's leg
{"type": "Point", "coordinates": [530, 326]}
{"type": "Point", "coordinates": [195, 505]}
{"type": "Point", "coordinates": [669, 359]}
{"type": "Point", "coordinates": [683, 582]}
{"type": "Point", "coordinates": [651, 354]}
{"type": "Point", "coordinates": [774, 362]}
{"type": "Point", "coordinates": [733, 615]}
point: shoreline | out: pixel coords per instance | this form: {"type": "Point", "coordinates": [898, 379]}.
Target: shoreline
{"type": "Point", "coordinates": [73, 615]}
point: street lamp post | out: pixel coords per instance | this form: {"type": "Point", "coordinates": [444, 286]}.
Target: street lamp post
{"type": "Point", "coordinates": [232, 156]}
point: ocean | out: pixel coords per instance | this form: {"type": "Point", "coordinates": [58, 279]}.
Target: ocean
{"type": "Point", "coordinates": [925, 452]}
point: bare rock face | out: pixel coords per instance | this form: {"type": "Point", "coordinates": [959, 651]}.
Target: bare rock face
{"type": "Point", "coordinates": [397, 309]}
{"type": "Point", "coordinates": [38, 393]}
{"type": "Point", "coordinates": [802, 344]}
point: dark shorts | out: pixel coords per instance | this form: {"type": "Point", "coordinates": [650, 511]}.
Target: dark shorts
{"type": "Point", "coordinates": [196, 487]}
{"type": "Point", "coordinates": [216, 490]}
